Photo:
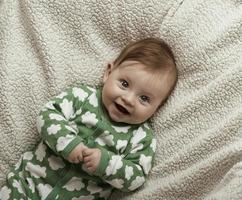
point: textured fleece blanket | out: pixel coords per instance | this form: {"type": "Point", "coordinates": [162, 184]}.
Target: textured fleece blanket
{"type": "Point", "coordinates": [47, 45]}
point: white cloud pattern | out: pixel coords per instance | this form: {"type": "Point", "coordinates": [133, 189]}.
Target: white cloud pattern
{"type": "Point", "coordinates": [89, 197]}
{"type": "Point", "coordinates": [41, 151]}
{"type": "Point", "coordinates": [153, 144]}
{"type": "Point", "coordinates": [136, 183]}
{"type": "Point", "coordinates": [71, 129]}
{"type": "Point", "coordinates": [114, 165]}
{"type": "Point", "coordinates": [50, 105]}
{"type": "Point", "coordinates": [145, 162]}
{"type": "Point", "coordinates": [93, 100]}
{"type": "Point", "coordinates": [62, 142]}
{"type": "Point", "coordinates": [74, 183]}
{"type": "Point", "coordinates": [136, 147]}
{"type": "Point", "coordinates": [28, 155]}
{"type": "Point", "coordinates": [67, 109]}
{"type": "Point", "coordinates": [79, 111]}
{"type": "Point", "coordinates": [61, 95]}
{"type": "Point", "coordinates": [19, 163]}
{"type": "Point", "coordinates": [56, 163]}
{"type": "Point", "coordinates": [79, 93]}
{"type": "Point", "coordinates": [121, 145]}
{"type": "Point", "coordinates": [146, 126]}
{"type": "Point", "coordinates": [138, 135]}
{"type": "Point", "coordinates": [138, 167]}
{"type": "Point", "coordinates": [44, 190]}
{"type": "Point", "coordinates": [31, 184]}
{"type": "Point", "coordinates": [11, 174]}
{"type": "Point", "coordinates": [93, 187]}
{"type": "Point", "coordinates": [92, 89]}
{"type": "Point", "coordinates": [89, 119]}
{"type": "Point", "coordinates": [17, 184]}
{"type": "Point", "coordinates": [53, 129]}
{"type": "Point", "coordinates": [117, 183]}
{"type": "Point", "coordinates": [105, 139]}
{"type": "Point", "coordinates": [36, 170]}
{"type": "Point", "coordinates": [121, 129]}
{"type": "Point", "coordinates": [40, 123]}
{"type": "Point", "coordinates": [56, 117]}
{"type": "Point", "coordinates": [73, 125]}
{"type": "Point", "coordinates": [129, 172]}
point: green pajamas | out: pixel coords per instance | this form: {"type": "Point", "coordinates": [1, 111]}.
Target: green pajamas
{"type": "Point", "coordinates": [77, 116]}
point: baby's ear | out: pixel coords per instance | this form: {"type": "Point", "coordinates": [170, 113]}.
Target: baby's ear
{"type": "Point", "coordinates": [108, 71]}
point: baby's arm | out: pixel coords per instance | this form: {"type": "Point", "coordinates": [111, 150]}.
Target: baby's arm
{"type": "Point", "coordinates": [55, 122]}
{"type": "Point", "coordinates": [130, 172]}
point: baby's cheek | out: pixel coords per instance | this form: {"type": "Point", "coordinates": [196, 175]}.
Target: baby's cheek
{"type": "Point", "coordinates": [148, 113]}
{"type": "Point", "coordinates": [115, 93]}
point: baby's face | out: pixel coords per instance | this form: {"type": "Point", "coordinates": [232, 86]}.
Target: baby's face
{"type": "Point", "coordinates": [131, 94]}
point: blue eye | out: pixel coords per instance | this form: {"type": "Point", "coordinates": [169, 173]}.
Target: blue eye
{"type": "Point", "coordinates": [124, 83]}
{"type": "Point", "coordinates": [144, 98]}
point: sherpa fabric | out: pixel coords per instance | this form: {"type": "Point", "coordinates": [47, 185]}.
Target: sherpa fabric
{"type": "Point", "coordinates": [47, 45]}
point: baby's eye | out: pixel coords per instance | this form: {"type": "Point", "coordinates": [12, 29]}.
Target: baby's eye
{"type": "Point", "coordinates": [144, 98]}
{"type": "Point", "coordinates": [124, 83]}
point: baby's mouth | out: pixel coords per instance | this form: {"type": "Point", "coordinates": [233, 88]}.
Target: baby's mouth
{"type": "Point", "coordinates": [122, 109]}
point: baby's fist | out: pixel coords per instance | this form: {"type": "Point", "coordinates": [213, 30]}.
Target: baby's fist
{"type": "Point", "coordinates": [91, 158]}
{"type": "Point", "coordinates": [76, 154]}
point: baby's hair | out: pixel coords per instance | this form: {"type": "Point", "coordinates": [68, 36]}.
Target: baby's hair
{"type": "Point", "coordinates": [155, 54]}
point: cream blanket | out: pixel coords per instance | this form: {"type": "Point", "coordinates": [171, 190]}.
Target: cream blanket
{"type": "Point", "coordinates": [47, 45]}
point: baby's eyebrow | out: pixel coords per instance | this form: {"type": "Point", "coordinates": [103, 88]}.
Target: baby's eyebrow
{"type": "Point", "coordinates": [149, 94]}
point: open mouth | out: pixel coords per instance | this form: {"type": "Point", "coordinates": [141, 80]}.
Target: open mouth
{"type": "Point", "coordinates": [121, 109]}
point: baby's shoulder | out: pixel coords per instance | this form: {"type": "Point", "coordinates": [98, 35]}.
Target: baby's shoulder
{"type": "Point", "coordinates": [82, 90]}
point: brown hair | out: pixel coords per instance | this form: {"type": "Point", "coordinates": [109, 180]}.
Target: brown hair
{"type": "Point", "coordinates": [154, 53]}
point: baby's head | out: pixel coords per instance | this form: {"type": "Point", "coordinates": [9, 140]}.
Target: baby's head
{"type": "Point", "coordinates": [139, 81]}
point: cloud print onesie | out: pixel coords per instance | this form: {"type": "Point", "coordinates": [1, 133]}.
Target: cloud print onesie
{"type": "Point", "coordinates": [77, 116]}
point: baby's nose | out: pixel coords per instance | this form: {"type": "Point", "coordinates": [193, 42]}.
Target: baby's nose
{"type": "Point", "coordinates": [128, 99]}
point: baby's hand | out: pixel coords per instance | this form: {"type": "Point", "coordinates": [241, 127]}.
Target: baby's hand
{"type": "Point", "coordinates": [76, 154]}
{"type": "Point", "coordinates": [91, 158]}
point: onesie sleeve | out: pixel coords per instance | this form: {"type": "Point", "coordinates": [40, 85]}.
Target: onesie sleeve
{"type": "Point", "coordinates": [129, 172]}
{"type": "Point", "coordinates": [55, 120]}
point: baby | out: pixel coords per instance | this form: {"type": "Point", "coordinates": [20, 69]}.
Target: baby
{"type": "Point", "coordinates": [97, 139]}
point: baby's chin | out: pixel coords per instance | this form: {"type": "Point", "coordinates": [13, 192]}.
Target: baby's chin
{"type": "Point", "coordinates": [127, 120]}
{"type": "Point", "coordinates": [132, 122]}
{"type": "Point", "coordinates": [135, 121]}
